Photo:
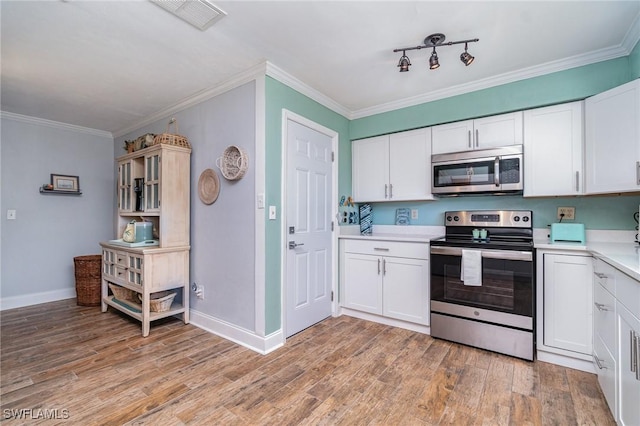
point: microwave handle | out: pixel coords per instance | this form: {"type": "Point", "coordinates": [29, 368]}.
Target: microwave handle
{"type": "Point", "coordinates": [496, 171]}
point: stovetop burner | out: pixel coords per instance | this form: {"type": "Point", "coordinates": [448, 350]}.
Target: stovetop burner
{"type": "Point", "coordinates": [504, 230]}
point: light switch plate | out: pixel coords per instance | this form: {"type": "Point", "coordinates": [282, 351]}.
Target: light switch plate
{"type": "Point", "coordinates": [272, 212]}
{"type": "Point", "coordinates": [11, 214]}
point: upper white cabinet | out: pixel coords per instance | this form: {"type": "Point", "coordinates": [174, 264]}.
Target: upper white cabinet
{"type": "Point", "coordinates": [553, 150]}
{"type": "Point", "coordinates": [612, 135]}
{"type": "Point", "coordinates": [392, 167]}
{"type": "Point", "coordinates": [482, 133]}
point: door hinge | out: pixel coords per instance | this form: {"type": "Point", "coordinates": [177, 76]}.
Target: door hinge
{"type": "Point", "coordinates": [332, 226]}
{"type": "Point", "coordinates": [333, 156]}
{"type": "Point", "coordinates": [332, 295]}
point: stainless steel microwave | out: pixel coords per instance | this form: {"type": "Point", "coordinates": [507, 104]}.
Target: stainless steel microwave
{"type": "Point", "coordinates": [486, 171]}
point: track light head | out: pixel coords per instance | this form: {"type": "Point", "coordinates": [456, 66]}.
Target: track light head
{"type": "Point", "coordinates": [404, 63]}
{"type": "Point", "coordinates": [465, 57]}
{"type": "Point", "coordinates": [433, 60]}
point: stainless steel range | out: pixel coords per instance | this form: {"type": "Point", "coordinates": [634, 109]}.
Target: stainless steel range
{"type": "Point", "coordinates": [482, 281]}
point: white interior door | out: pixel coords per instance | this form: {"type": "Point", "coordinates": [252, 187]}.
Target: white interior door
{"type": "Point", "coordinates": [309, 192]}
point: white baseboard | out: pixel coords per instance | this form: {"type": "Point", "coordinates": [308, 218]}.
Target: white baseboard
{"type": "Point", "coordinates": [36, 298]}
{"type": "Point", "coordinates": [386, 321]}
{"type": "Point", "coordinates": [565, 361]}
{"type": "Point", "coordinates": [241, 336]}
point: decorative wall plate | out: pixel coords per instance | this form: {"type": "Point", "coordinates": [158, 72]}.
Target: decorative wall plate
{"type": "Point", "coordinates": [208, 186]}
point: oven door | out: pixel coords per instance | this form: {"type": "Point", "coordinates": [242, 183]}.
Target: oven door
{"type": "Point", "coordinates": [506, 292]}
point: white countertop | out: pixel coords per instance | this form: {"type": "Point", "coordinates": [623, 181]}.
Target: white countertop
{"type": "Point", "coordinates": [415, 234]}
{"type": "Point", "coordinates": [624, 256]}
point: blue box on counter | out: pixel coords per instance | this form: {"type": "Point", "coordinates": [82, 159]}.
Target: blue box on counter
{"type": "Point", "coordinates": [568, 233]}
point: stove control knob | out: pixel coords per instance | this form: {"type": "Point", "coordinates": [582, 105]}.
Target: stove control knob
{"type": "Point", "coordinates": [525, 219]}
{"type": "Point", "coordinates": [516, 218]}
{"type": "Point", "coordinates": [456, 218]}
{"type": "Point", "coordinates": [448, 218]}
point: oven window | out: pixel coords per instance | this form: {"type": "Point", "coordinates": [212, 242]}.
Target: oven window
{"type": "Point", "coordinates": [507, 285]}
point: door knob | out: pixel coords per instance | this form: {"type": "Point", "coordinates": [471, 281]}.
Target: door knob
{"type": "Point", "coordinates": [293, 244]}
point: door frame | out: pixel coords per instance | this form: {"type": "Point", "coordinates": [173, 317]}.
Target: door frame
{"type": "Point", "coordinates": [334, 135]}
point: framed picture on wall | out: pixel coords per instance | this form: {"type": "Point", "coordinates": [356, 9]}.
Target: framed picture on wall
{"type": "Point", "coordinates": [65, 183]}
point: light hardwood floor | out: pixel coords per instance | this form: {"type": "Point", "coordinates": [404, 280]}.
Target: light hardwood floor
{"type": "Point", "coordinates": [87, 367]}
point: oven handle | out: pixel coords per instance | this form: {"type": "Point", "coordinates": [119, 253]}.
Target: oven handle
{"type": "Point", "coordinates": [526, 256]}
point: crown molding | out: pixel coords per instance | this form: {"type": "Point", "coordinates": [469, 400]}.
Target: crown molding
{"type": "Point", "coordinates": [303, 88]}
{"type": "Point", "coordinates": [54, 124]}
{"type": "Point", "coordinates": [204, 95]}
{"type": "Point", "coordinates": [632, 36]}
{"type": "Point", "coordinates": [510, 77]}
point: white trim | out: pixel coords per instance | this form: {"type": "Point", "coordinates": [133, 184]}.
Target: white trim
{"type": "Point", "coordinates": [260, 220]}
{"type": "Point", "coordinates": [54, 124]}
{"type": "Point", "coordinates": [419, 328]}
{"type": "Point", "coordinates": [241, 336]}
{"type": "Point", "coordinates": [632, 36]}
{"type": "Point", "coordinates": [36, 298]}
{"type": "Point", "coordinates": [335, 136]}
{"type": "Point", "coordinates": [303, 88]}
{"type": "Point", "coordinates": [238, 80]}
{"type": "Point", "coordinates": [566, 361]}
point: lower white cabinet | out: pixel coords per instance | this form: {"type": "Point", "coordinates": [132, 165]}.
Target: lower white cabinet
{"type": "Point", "coordinates": [567, 296]}
{"type": "Point", "coordinates": [616, 352]}
{"type": "Point", "coordinates": [386, 278]}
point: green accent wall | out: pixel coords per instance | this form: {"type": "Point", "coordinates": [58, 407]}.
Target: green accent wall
{"type": "Point", "coordinates": [634, 62]}
{"type": "Point", "coordinates": [279, 97]}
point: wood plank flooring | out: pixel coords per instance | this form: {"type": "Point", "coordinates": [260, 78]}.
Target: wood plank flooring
{"type": "Point", "coordinates": [75, 365]}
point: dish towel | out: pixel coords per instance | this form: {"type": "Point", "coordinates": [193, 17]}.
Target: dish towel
{"type": "Point", "coordinates": [471, 268]}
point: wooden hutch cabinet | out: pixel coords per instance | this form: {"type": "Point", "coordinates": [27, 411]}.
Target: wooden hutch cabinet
{"type": "Point", "coordinates": [153, 185]}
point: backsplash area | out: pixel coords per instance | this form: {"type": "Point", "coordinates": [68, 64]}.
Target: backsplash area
{"type": "Point", "coordinates": [596, 212]}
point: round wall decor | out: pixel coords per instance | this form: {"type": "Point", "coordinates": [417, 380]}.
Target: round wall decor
{"type": "Point", "coordinates": [234, 162]}
{"type": "Point", "coordinates": [208, 186]}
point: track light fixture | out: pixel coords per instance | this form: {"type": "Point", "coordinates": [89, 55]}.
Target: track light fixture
{"type": "Point", "coordinates": [435, 40]}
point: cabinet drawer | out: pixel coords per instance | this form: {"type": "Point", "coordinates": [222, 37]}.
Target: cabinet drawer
{"type": "Point", "coordinates": [605, 275]}
{"type": "Point", "coordinates": [605, 366]}
{"type": "Point", "coordinates": [388, 248]}
{"type": "Point", "coordinates": [628, 292]}
{"type": "Point", "coordinates": [604, 317]}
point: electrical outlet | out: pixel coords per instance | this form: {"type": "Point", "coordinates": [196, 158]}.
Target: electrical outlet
{"type": "Point", "coordinates": [566, 213]}
{"type": "Point", "coordinates": [414, 214]}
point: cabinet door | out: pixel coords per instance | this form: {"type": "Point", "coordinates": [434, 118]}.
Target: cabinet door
{"type": "Point", "coordinates": [612, 139]}
{"type": "Point", "coordinates": [568, 301]}
{"type": "Point", "coordinates": [498, 130]}
{"type": "Point", "coordinates": [135, 265]}
{"type": "Point", "coordinates": [452, 137]}
{"type": "Point", "coordinates": [409, 165]}
{"type": "Point", "coordinates": [406, 289]}
{"type": "Point", "coordinates": [363, 283]}
{"type": "Point", "coordinates": [125, 194]}
{"type": "Point", "coordinates": [152, 164]}
{"type": "Point", "coordinates": [370, 169]}
{"type": "Point", "coordinates": [605, 367]}
{"type": "Point", "coordinates": [628, 365]}
{"type": "Point", "coordinates": [553, 150]}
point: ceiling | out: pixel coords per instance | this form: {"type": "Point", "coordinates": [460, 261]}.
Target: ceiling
{"type": "Point", "coordinates": [108, 65]}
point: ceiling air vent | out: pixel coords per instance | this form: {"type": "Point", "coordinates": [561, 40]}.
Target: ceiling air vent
{"type": "Point", "coordinates": [199, 13]}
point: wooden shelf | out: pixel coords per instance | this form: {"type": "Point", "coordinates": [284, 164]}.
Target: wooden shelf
{"type": "Point", "coordinates": [176, 308]}
{"type": "Point", "coordinates": [59, 192]}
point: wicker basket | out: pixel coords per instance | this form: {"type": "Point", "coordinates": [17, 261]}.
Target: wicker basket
{"type": "Point", "coordinates": [161, 301]}
{"type": "Point", "coordinates": [234, 162]}
{"type": "Point", "coordinates": [87, 272]}
{"type": "Point", "coordinates": [171, 138]}
{"type": "Point", "coordinates": [123, 294]}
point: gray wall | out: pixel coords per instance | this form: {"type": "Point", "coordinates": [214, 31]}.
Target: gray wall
{"type": "Point", "coordinates": [50, 230]}
{"type": "Point", "coordinates": [223, 233]}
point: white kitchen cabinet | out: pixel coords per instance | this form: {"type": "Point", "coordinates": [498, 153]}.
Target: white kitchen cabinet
{"type": "Point", "coordinates": [392, 167]}
{"type": "Point", "coordinates": [617, 340]}
{"type": "Point", "coordinates": [386, 278]}
{"type": "Point", "coordinates": [612, 140]}
{"type": "Point", "coordinates": [482, 133]}
{"type": "Point", "coordinates": [553, 141]}
{"type": "Point", "coordinates": [568, 302]}
{"type": "Point", "coordinates": [628, 366]}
